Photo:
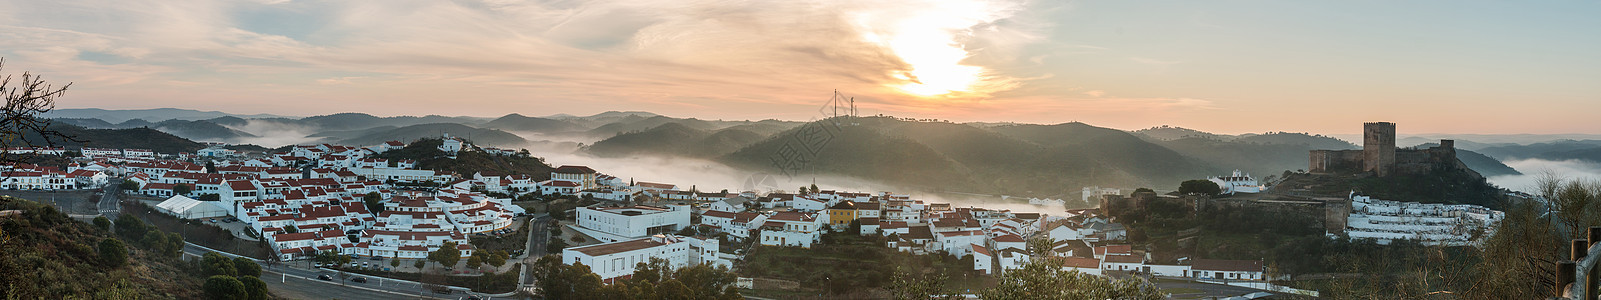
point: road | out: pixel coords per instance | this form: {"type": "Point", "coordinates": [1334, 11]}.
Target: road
{"type": "Point", "coordinates": [537, 239]}
{"type": "Point", "coordinates": [108, 198]}
{"type": "Point", "coordinates": [301, 283]}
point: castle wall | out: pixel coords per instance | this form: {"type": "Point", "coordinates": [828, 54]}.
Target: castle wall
{"type": "Point", "coordinates": [1336, 161]}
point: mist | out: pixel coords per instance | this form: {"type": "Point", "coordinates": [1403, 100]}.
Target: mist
{"type": "Point", "coordinates": [711, 176]}
{"type": "Point", "coordinates": [1533, 168]}
{"type": "Point", "coordinates": [272, 134]}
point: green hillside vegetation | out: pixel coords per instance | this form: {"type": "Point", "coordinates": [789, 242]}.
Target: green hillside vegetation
{"type": "Point", "coordinates": [862, 152]}
{"type": "Point", "coordinates": [84, 122]}
{"type": "Point", "coordinates": [483, 137]}
{"type": "Point", "coordinates": [1168, 133]}
{"type": "Point", "coordinates": [517, 122]}
{"type": "Point", "coordinates": [1439, 186]}
{"type": "Point", "coordinates": [50, 256]}
{"type": "Point", "coordinates": [140, 138]}
{"type": "Point", "coordinates": [675, 139]}
{"type": "Point", "coordinates": [426, 153]}
{"type": "Point", "coordinates": [1017, 159]}
{"type": "Point", "coordinates": [1539, 150]}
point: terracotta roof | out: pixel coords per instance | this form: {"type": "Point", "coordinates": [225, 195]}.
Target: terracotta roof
{"type": "Point", "coordinates": [1080, 262]}
{"type": "Point", "coordinates": [981, 250]}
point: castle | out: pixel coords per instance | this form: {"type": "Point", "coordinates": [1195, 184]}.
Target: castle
{"type": "Point", "coordinates": [1380, 157]}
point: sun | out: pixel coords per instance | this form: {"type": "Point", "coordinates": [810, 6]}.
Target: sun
{"type": "Point", "coordinates": [927, 44]}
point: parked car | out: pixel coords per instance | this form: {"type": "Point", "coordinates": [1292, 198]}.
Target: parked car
{"type": "Point", "coordinates": [325, 277]}
{"type": "Point", "coordinates": [359, 280]}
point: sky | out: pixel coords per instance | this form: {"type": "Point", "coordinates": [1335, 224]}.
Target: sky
{"type": "Point", "coordinates": [1488, 67]}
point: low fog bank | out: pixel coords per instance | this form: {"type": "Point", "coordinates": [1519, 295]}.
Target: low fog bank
{"type": "Point", "coordinates": [273, 134]}
{"type": "Point", "coordinates": [712, 176]}
{"type": "Point", "coordinates": [1533, 168]}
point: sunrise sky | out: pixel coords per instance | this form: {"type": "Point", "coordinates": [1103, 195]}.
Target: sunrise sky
{"type": "Point", "coordinates": [1222, 66]}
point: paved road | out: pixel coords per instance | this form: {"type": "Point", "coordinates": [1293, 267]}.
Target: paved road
{"type": "Point", "coordinates": [538, 237]}
{"type": "Point", "coordinates": [286, 275]}
{"type": "Point", "coordinates": [108, 198]}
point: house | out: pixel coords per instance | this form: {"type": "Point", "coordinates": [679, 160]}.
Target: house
{"type": "Point", "coordinates": [791, 228]}
{"type": "Point", "coordinates": [1237, 183]}
{"type": "Point", "coordinates": [631, 222]}
{"type": "Point", "coordinates": [617, 260]}
{"type": "Point", "coordinates": [840, 215]}
{"type": "Point", "coordinates": [1228, 269]}
{"type": "Point", "coordinates": [734, 204]}
{"type": "Point", "coordinates": [583, 176]}
{"type": "Point", "coordinates": [558, 187]}
{"type": "Point", "coordinates": [982, 259]}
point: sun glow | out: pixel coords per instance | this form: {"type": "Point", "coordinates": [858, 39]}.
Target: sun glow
{"type": "Point", "coordinates": [928, 42]}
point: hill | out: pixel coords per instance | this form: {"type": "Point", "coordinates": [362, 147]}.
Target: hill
{"type": "Point", "coordinates": [517, 122]}
{"type": "Point", "coordinates": [120, 115]}
{"type": "Point", "coordinates": [675, 139]}
{"type": "Point", "coordinates": [1290, 138]}
{"type": "Point", "coordinates": [634, 124]}
{"type": "Point", "coordinates": [1168, 133]}
{"type": "Point", "coordinates": [50, 256]}
{"type": "Point", "coordinates": [140, 138]}
{"type": "Point", "coordinates": [1587, 150]}
{"type": "Point", "coordinates": [482, 137]}
{"type": "Point", "coordinates": [426, 153]}
{"type": "Point", "coordinates": [1484, 164]}
{"type": "Point", "coordinates": [84, 122]}
{"type": "Point", "coordinates": [1257, 159]}
{"type": "Point", "coordinates": [1041, 160]}
{"type": "Point", "coordinates": [201, 130]}
{"type": "Point", "coordinates": [356, 121]}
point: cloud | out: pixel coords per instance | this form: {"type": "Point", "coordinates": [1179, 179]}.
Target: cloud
{"type": "Point", "coordinates": [687, 54]}
{"type": "Point", "coordinates": [1095, 93]}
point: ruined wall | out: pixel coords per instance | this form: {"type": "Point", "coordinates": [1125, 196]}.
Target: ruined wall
{"type": "Point", "coordinates": [1335, 161]}
{"type": "Point", "coordinates": [1378, 147]}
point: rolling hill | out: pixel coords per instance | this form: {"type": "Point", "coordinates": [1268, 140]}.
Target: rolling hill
{"type": "Point", "coordinates": [517, 122]}
{"type": "Point", "coordinates": [675, 139]}
{"type": "Point", "coordinates": [480, 136]}
{"type": "Point", "coordinates": [631, 124]}
{"type": "Point", "coordinates": [201, 130]}
{"type": "Point", "coordinates": [1039, 160]}
{"type": "Point", "coordinates": [141, 138]}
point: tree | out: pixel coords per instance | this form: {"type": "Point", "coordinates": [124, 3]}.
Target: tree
{"type": "Point", "coordinates": [175, 244]}
{"type": "Point", "coordinates": [103, 223]}
{"type": "Point", "coordinates": [216, 264]}
{"type": "Point", "coordinates": [374, 201]}
{"type": "Point", "coordinates": [209, 197]}
{"type": "Point", "coordinates": [255, 289]}
{"type": "Point", "coordinates": [1144, 190]}
{"type": "Point", "coordinates": [130, 185]}
{"type": "Point", "coordinates": [180, 189]}
{"type": "Point", "coordinates": [1200, 187]}
{"type": "Point", "coordinates": [1039, 247]}
{"type": "Point", "coordinates": [130, 226]}
{"type": "Point", "coordinates": [154, 240]}
{"type": "Point", "coordinates": [499, 258]}
{"type": "Point", "coordinates": [225, 287]}
{"type": "Point", "coordinates": [855, 227]}
{"type": "Point", "coordinates": [815, 189]}
{"type": "Point", "coordinates": [1044, 279]}
{"type": "Point", "coordinates": [905, 286]}
{"type": "Point", "coordinates": [447, 255]}
{"type": "Point", "coordinates": [475, 261]}
{"type": "Point", "coordinates": [20, 124]}
{"type": "Point", "coordinates": [394, 262]}
{"type": "Point", "coordinates": [555, 245]}
{"type": "Point", "coordinates": [246, 267]}
{"type": "Point", "coordinates": [419, 264]}
{"type": "Point", "coordinates": [113, 253]}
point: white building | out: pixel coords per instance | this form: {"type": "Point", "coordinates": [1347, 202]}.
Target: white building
{"type": "Point", "coordinates": [1237, 183]}
{"type": "Point", "coordinates": [184, 207]}
{"type": "Point", "coordinates": [1095, 192]}
{"type": "Point", "coordinates": [612, 224]}
{"type": "Point", "coordinates": [793, 229]}
{"type": "Point", "coordinates": [616, 260]}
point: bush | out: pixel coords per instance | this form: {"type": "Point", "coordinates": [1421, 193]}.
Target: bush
{"type": "Point", "coordinates": [254, 287]}
{"type": "Point", "coordinates": [225, 287]}
{"type": "Point", "coordinates": [246, 267]}
{"type": "Point", "coordinates": [113, 252]}
{"type": "Point", "coordinates": [103, 223]}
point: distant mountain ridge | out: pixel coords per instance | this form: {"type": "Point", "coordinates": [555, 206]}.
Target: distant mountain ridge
{"type": "Point", "coordinates": [158, 114]}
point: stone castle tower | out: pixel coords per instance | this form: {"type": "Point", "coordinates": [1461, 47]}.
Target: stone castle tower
{"type": "Point", "coordinates": [1378, 148]}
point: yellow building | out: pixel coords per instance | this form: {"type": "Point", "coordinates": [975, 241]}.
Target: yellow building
{"type": "Point", "coordinates": [841, 215]}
